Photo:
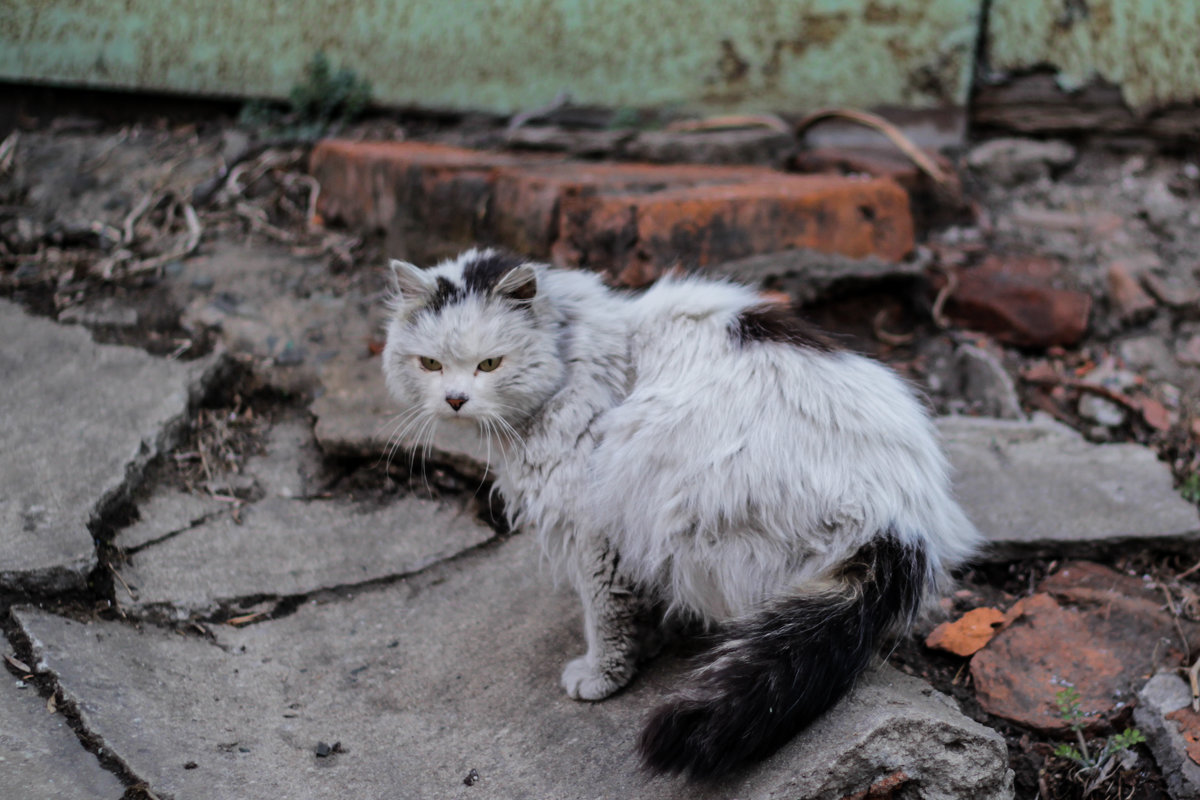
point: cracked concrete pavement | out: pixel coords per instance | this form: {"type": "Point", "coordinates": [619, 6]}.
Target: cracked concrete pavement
{"type": "Point", "coordinates": [403, 628]}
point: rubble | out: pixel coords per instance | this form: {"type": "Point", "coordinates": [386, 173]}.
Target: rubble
{"type": "Point", "coordinates": [1164, 714]}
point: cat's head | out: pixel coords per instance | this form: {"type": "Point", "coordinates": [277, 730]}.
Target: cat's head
{"type": "Point", "coordinates": [471, 339]}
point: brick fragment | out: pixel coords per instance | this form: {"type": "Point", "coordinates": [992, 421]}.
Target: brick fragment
{"type": "Point", "coordinates": [430, 200]}
{"type": "Point", "coordinates": [636, 237]}
{"type": "Point", "coordinates": [1016, 300]}
{"type": "Point", "coordinates": [529, 199]}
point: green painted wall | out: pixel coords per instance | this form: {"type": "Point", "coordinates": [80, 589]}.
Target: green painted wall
{"type": "Point", "coordinates": [508, 55]}
{"type": "Point", "coordinates": [1149, 48]}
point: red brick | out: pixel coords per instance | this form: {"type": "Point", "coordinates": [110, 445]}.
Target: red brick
{"type": "Point", "coordinates": [635, 237]}
{"type": "Point", "coordinates": [1016, 300]}
{"type": "Point", "coordinates": [528, 199]}
{"type": "Point", "coordinates": [431, 200]}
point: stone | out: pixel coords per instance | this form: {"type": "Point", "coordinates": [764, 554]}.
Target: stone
{"type": "Point", "coordinates": [1101, 411]}
{"type": "Point", "coordinates": [1188, 352]}
{"type": "Point", "coordinates": [1172, 731]}
{"type": "Point", "coordinates": [1149, 355]}
{"type": "Point", "coordinates": [1108, 631]}
{"type": "Point", "coordinates": [968, 634]}
{"type": "Point", "coordinates": [80, 422]}
{"type": "Point", "coordinates": [291, 462]}
{"type": "Point", "coordinates": [636, 237]}
{"type": "Point", "coordinates": [280, 547]}
{"type": "Point", "coordinates": [1040, 487]}
{"type": "Point", "coordinates": [424, 680]}
{"type": "Point", "coordinates": [1125, 293]}
{"type": "Point", "coordinates": [40, 757]}
{"type": "Point", "coordinates": [1010, 161]}
{"type": "Point", "coordinates": [985, 385]}
{"type": "Point", "coordinates": [1016, 301]}
{"type": "Point", "coordinates": [357, 418]}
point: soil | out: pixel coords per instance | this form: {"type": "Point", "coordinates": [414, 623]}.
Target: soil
{"type": "Point", "coordinates": [96, 219]}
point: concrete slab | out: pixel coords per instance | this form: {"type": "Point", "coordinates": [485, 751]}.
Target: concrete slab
{"type": "Point", "coordinates": [80, 421]}
{"type": "Point", "coordinates": [1040, 486]}
{"type": "Point", "coordinates": [455, 670]}
{"type": "Point", "coordinates": [40, 758]}
{"type": "Point", "coordinates": [290, 465]}
{"type": "Point", "coordinates": [166, 512]}
{"type": "Point", "coordinates": [286, 547]}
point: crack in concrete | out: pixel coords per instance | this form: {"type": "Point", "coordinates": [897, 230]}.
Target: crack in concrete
{"type": "Point", "coordinates": [46, 681]}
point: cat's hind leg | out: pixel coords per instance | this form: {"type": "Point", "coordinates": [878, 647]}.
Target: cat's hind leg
{"type": "Point", "coordinates": [616, 619]}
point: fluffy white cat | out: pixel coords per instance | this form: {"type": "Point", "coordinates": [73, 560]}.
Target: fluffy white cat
{"type": "Point", "coordinates": [696, 451]}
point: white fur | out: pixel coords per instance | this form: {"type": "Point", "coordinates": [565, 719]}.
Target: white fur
{"type": "Point", "coordinates": [724, 473]}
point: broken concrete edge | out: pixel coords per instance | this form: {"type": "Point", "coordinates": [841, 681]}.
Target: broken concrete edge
{"type": "Point", "coordinates": [46, 681]}
{"type": "Point", "coordinates": [1164, 693]}
{"type": "Point", "coordinates": [78, 576]}
{"type": "Point", "coordinates": [222, 609]}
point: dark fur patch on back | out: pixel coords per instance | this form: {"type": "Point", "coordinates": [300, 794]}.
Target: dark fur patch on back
{"type": "Point", "coordinates": [482, 275]}
{"type": "Point", "coordinates": [773, 323]}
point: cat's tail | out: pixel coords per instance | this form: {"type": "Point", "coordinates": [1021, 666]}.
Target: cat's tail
{"type": "Point", "coordinates": [773, 672]}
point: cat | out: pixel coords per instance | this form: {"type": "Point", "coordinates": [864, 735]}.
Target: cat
{"type": "Point", "coordinates": [691, 453]}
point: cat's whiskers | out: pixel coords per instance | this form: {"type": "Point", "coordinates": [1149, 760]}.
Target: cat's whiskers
{"type": "Point", "coordinates": [400, 424]}
{"type": "Point", "coordinates": [406, 421]}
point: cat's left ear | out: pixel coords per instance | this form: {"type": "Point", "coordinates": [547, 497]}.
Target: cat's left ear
{"type": "Point", "coordinates": [409, 281]}
{"type": "Point", "coordinates": [519, 283]}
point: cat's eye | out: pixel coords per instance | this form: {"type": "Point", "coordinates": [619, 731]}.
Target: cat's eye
{"type": "Point", "coordinates": [431, 364]}
{"type": "Point", "coordinates": [489, 364]}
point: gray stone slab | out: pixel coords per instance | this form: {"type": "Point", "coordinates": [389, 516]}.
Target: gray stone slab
{"type": "Point", "coordinates": [455, 670]}
{"type": "Point", "coordinates": [286, 547]}
{"type": "Point", "coordinates": [40, 757]}
{"type": "Point", "coordinates": [1163, 694]}
{"type": "Point", "coordinates": [291, 463]}
{"type": "Point", "coordinates": [166, 512]}
{"type": "Point", "coordinates": [80, 421]}
{"type": "Point", "coordinates": [356, 417]}
{"type": "Point", "coordinates": [1040, 486]}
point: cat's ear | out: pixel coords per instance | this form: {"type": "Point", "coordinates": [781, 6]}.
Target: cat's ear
{"type": "Point", "coordinates": [409, 282]}
{"type": "Point", "coordinates": [519, 283]}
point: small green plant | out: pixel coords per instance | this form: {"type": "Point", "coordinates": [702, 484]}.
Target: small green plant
{"type": "Point", "coordinates": [1190, 489]}
{"type": "Point", "coordinates": [1095, 767]}
{"type": "Point", "coordinates": [324, 100]}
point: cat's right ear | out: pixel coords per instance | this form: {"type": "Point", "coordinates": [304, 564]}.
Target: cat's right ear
{"type": "Point", "coordinates": [410, 283]}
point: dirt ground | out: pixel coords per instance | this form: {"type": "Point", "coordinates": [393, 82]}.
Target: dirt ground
{"type": "Point", "coordinates": [98, 219]}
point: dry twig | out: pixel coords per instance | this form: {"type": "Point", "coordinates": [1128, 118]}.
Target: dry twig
{"type": "Point", "coordinates": [905, 145]}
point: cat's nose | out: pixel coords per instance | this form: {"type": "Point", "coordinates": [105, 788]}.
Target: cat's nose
{"type": "Point", "coordinates": [456, 401]}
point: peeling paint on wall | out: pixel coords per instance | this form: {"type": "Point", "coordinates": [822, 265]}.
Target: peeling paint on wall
{"type": "Point", "coordinates": [789, 55]}
{"type": "Point", "coordinates": [1148, 48]}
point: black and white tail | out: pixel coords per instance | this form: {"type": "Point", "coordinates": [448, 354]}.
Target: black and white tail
{"type": "Point", "coordinates": [772, 673]}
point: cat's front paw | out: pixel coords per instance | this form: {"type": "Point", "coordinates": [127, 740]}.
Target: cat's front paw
{"type": "Point", "coordinates": [585, 682]}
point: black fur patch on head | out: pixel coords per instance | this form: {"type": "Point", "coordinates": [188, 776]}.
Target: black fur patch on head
{"type": "Point", "coordinates": [482, 274]}
{"type": "Point", "coordinates": [444, 293]}
{"type": "Point", "coordinates": [771, 674]}
{"type": "Point", "coordinates": [774, 323]}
